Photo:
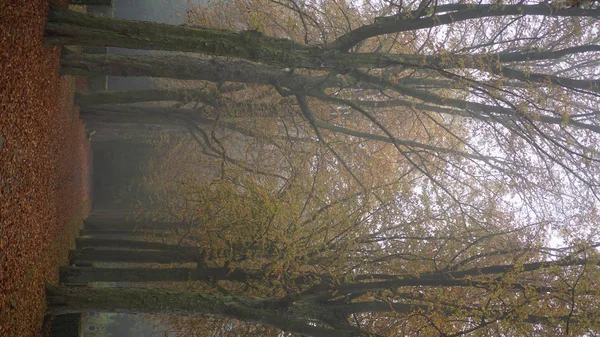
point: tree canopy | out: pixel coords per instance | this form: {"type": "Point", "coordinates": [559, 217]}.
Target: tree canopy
{"type": "Point", "coordinates": [376, 168]}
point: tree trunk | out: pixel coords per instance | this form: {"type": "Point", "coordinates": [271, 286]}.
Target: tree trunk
{"type": "Point", "coordinates": [134, 115]}
{"type": "Point", "coordinates": [128, 133]}
{"type": "Point", "coordinates": [128, 225]}
{"type": "Point", "coordinates": [133, 96]}
{"type": "Point", "coordinates": [111, 233]}
{"type": "Point", "coordinates": [108, 3]}
{"type": "Point", "coordinates": [131, 256]}
{"type": "Point", "coordinates": [193, 68]}
{"type": "Point", "coordinates": [84, 98]}
{"type": "Point", "coordinates": [177, 67]}
{"type": "Point", "coordinates": [183, 67]}
{"type": "Point", "coordinates": [68, 27]}
{"type": "Point", "coordinates": [172, 117]}
{"type": "Point", "coordinates": [82, 275]}
{"type": "Point", "coordinates": [83, 243]}
{"type": "Point", "coordinates": [63, 299]}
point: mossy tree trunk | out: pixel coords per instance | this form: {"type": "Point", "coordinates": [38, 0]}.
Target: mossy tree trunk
{"type": "Point", "coordinates": [83, 243]}
{"type": "Point", "coordinates": [82, 275]}
{"type": "Point", "coordinates": [191, 68]}
{"type": "Point", "coordinates": [183, 67]}
{"type": "Point", "coordinates": [116, 224]}
{"type": "Point", "coordinates": [132, 256]}
{"type": "Point", "coordinates": [117, 234]}
{"type": "Point", "coordinates": [133, 96]}
{"type": "Point", "coordinates": [68, 27]}
{"type": "Point", "coordinates": [108, 3]}
{"type": "Point", "coordinates": [62, 299]}
{"type": "Point", "coordinates": [145, 115]}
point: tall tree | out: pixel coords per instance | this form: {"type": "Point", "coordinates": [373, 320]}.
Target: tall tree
{"type": "Point", "coordinates": [506, 299]}
{"type": "Point", "coordinates": [512, 64]}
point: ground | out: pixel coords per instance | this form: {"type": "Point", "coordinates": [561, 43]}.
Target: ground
{"type": "Point", "coordinates": [44, 165]}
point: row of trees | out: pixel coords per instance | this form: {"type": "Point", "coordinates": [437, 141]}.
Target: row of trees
{"type": "Point", "coordinates": [516, 295]}
{"type": "Point", "coordinates": [382, 168]}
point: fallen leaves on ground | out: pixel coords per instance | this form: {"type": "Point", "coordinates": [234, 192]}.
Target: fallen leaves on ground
{"type": "Point", "coordinates": [44, 163]}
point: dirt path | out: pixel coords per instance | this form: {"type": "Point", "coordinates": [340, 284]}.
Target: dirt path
{"type": "Point", "coordinates": [44, 160]}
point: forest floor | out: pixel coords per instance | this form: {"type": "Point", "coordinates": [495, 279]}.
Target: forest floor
{"type": "Point", "coordinates": [44, 166]}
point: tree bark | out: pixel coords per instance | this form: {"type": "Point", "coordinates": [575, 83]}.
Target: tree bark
{"type": "Point", "coordinates": [131, 256]}
{"type": "Point", "coordinates": [82, 275]}
{"type": "Point", "coordinates": [121, 234]}
{"type": "Point", "coordinates": [63, 299]}
{"type": "Point", "coordinates": [128, 225]}
{"type": "Point", "coordinates": [99, 100]}
{"type": "Point", "coordinates": [175, 117]}
{"type": "Point", "coordinates": [68, 27]}
{"type": "Point", "coordinates": [194, 68]}
{"type": "Point", "coordinates": [133, 96]}
{"type": "Point", "coordinates": [108, 3]}
{"type": "Point", "coordinates": [83, 243]}
{"type": "Point", "coordinates": [142, 115]}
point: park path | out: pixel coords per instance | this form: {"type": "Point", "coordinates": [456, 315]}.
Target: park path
{"type": "Point", "coordinates": [44, 165]}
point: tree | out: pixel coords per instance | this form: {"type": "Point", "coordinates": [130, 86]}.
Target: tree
{"type": "Point", "coordinates": [498, 296]}
{"type": "Point", "coordinates": [414, 169]}
{"type": "Point", "coordinates": [531, 126]}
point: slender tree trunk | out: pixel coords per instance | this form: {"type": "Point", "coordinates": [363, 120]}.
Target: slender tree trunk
{"type": "Point", "coordinates": [408, 22]}
{"type": "Point", "coordinates": [63, 299]}
{"type": "Point", "coordinates": [127, 225]}
{"type": "Point", "coordinates": [175, 117]}
{"type": "Point", "coordinates": [108, 132]}
{"type": "Point", "coordinates": [131, 256]}
{"type": "Point", "coordinates": [124, 234]}
{"type": "Point", "coordinates": [193, 68]}
{"type": "Point", "coordinates": [108, 3]}
{"type": "Point", "coordinates": [133, 96]}
{"type": "Point", "coordinates": [137, 115]}
{"type": "Point", "coordinates": [83, 243]}
{"type": "Point", "coordinates": [82, 275]}
{"type": "Point", "coordinates": [182, 67]}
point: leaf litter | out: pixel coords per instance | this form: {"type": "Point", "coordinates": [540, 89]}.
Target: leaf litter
{"type": "Point", "coordinates": [44, 166]}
